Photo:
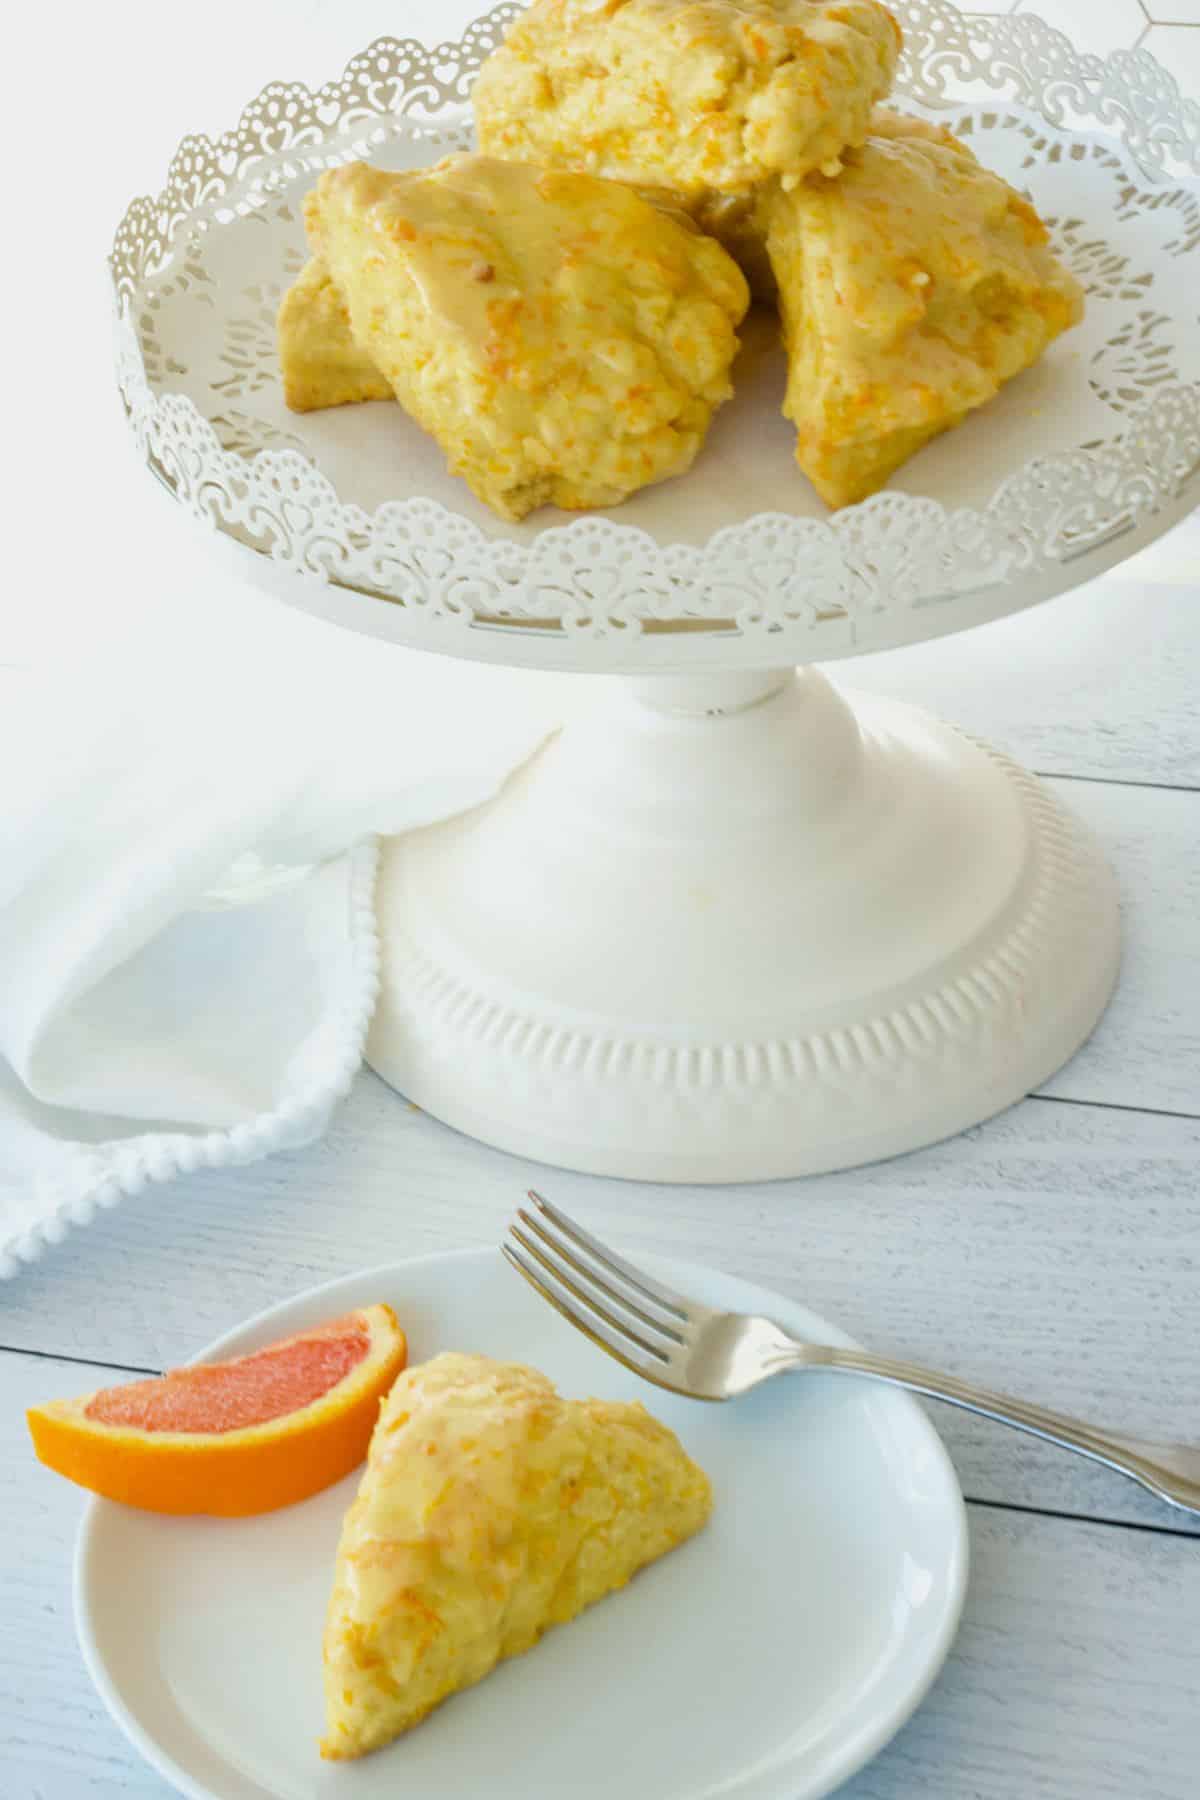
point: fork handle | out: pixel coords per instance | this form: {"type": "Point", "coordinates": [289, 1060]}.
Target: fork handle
{"type": "Point", "coordinates": [1172, 1471]}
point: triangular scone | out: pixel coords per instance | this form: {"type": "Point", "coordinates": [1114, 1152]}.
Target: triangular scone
{"type": "Point", "coordinates": [912, 288]}
{"type": "Point", "coordinates": [696, 94]}
{"type": "Point", "coordinates": [320, 362]}
{"type": "Point", "coordinates": [565, 341]}
{"type": "Point", "coordinates": [490, 1509]}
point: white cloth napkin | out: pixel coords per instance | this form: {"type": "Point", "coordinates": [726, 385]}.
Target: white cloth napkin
{"type": "Point", "coordinates": [144, 1030]}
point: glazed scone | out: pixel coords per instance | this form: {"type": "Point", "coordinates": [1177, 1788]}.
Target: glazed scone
{"type": "Point", "coordinates": [912, 288]}
{"type": "Point", "coordinates": [696, 94]}
{"type": "Point", "coordinates": [319, 360]}
{"type": "Point", "coordinates": [490, 1510]}
{"type": "Point", "coordinates": [322, 366]}
{"type": "Point", "coordinates": [564, 341]}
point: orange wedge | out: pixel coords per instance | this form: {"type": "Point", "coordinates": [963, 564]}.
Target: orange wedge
{"type": "Point", "coordinates": [235, 1437]}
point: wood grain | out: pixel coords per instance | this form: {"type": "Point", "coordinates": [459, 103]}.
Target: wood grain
{"type": "Point", "coordinates": [1053, 1252]}
{"type": "Point", "coordinates": [1075, 1676]}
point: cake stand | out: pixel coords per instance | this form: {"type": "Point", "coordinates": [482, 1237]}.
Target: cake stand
{"type": "Point", "coordinates": [733, 921]}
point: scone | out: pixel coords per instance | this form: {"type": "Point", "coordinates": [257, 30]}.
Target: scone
{"type": "Point", "coordinates": [702, 95]}
{"type": "Point", "coordinates": [490, 1510]}
{"type": "Point", "coordinates": [319, 360]}
{"type": "Point", "coordinates": [912, 288]}
{"type": "Point", "coordinates": [565, 341]}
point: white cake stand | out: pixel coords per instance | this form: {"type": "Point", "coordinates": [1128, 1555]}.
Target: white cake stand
{"type": "Point", "coordinates": [734, 922]}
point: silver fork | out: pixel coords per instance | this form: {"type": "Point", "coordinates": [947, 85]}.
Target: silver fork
{"type": "Point", "coordinates": [690, 1349]}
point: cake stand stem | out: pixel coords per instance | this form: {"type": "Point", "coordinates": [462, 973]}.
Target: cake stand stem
{"type": "Point", "coordinates": [739, 926]}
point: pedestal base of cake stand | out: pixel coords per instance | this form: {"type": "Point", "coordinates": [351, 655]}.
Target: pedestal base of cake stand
{"type": "Point", "coordinates": [735, 927]}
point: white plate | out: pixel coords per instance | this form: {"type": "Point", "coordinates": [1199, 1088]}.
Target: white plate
{"type": "Point", "coordinates": [766, 1660]}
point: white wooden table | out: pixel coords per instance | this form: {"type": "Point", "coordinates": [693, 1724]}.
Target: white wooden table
{"type": "Point", "coordinates": [1055, 1251]}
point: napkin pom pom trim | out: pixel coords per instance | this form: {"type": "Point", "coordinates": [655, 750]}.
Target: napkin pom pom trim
{"type": "Point", "coordinates": [104, 1175]}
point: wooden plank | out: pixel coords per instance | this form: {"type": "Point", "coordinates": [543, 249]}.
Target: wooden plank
{"type": "Point", "coordinates": [1052, 1252]}
{"type": "Point", "coordinates": [1076, 1675]}
{"type": "Point", "coordinates": [1100, 682]}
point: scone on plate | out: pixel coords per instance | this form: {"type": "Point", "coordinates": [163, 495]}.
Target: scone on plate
{"type": "Point", "coordinates": [319, 360]}
{"type": "Point", "coordinates": [912, 288]}
{"type": "Point", "coordinates": [490, 1510]}
{"type": "Point", "coordinates": [700, 95]}
{"type": "Point", "coordinates": [565, 341]}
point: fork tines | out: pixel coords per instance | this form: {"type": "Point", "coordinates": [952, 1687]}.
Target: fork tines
{"type": "Point", "coordinates": [619, 1307]}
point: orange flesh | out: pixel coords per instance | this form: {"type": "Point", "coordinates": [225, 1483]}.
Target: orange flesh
{"type": "Point", "coordinates": [230, 1396]}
